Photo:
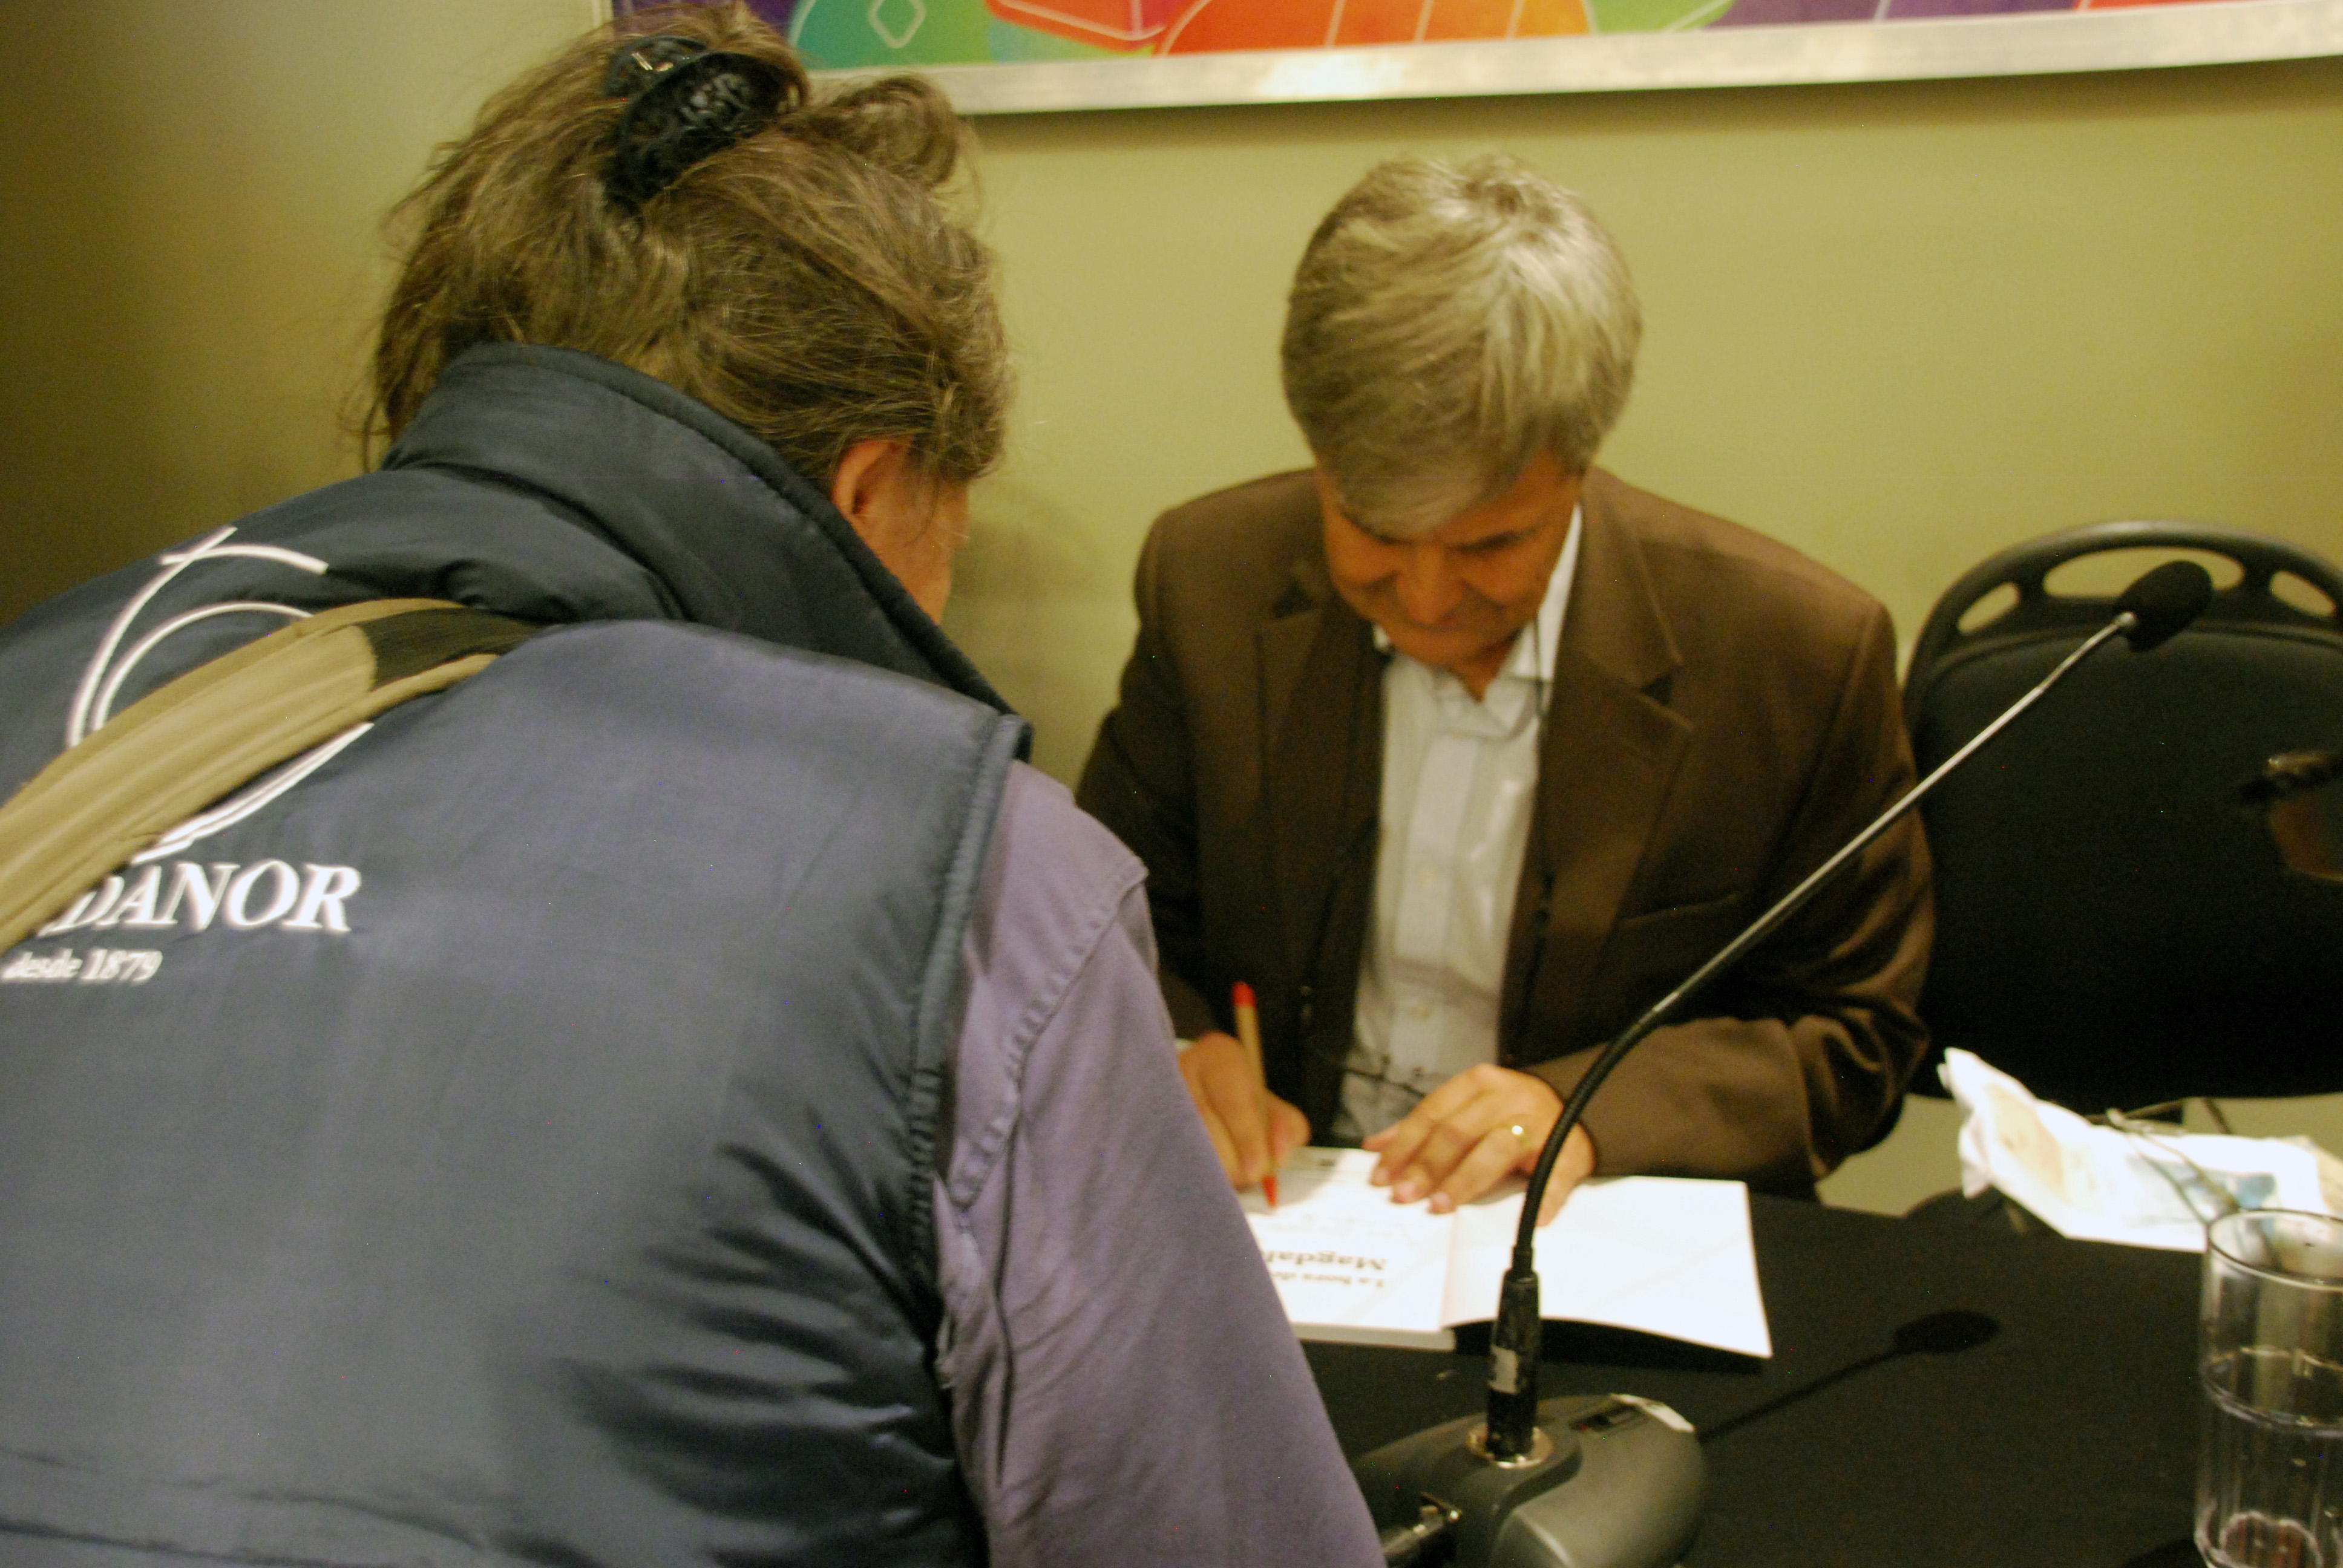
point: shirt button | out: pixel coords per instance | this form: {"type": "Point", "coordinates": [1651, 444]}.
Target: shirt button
{"type": "Point", "coordinates": [1427, 876]}
{"type": "Point", "coordinates": [1419, 1010]}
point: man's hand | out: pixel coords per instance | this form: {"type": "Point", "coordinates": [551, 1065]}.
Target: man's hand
{"type": "Point", "coordinates": [1252, 1130]}
{"type": "Point", "coordinates": [1473, 1130]}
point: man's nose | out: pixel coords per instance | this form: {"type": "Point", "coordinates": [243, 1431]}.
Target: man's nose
{"type": "Point", "coordinates": [1428, 586]}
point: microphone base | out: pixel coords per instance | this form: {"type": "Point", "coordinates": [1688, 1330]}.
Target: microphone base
{"type": "Point", "coordinates": [1615, 1482]}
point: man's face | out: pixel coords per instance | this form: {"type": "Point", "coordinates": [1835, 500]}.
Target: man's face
{"type": "Point", "coordinates": [1454, 597]}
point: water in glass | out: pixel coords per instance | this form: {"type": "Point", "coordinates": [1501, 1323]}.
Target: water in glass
{"type": "Point", "coordinates": [2270, 1487]}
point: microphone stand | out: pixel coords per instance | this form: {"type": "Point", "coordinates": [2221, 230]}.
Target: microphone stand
{"type": "Point", "coordinates": [1515, 1338]}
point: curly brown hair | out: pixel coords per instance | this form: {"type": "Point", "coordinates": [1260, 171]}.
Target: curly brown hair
{"type": "Point", "coordinates": [811, 282]}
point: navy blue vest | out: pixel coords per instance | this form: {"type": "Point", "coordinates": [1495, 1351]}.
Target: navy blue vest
{"type": "Point", "coordinates": [515, 1140]}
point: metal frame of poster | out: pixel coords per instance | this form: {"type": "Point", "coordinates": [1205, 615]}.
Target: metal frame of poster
{"type": "Point", "coordinates": [1017, 56]}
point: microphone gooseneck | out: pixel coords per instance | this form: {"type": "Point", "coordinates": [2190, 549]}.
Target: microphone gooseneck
{"type": "Point", "coordinates": [2152, 610]}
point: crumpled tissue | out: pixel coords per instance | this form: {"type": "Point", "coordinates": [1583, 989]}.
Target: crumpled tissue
{"type": "Point", "coordinates": [2158, 1188]}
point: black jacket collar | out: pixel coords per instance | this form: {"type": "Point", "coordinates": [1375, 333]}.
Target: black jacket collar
{"type": "Point", "coordinates": [734, 536]}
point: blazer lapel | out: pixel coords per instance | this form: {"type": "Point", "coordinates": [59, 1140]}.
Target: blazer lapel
{"type": "Point", "coordinates": [1322, 773]}
{"type": "Point", "coordinates": [1608, 752]}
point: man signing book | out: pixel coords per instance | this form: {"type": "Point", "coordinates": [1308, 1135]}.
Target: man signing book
{"type": "Point", "coordinates": [1462, 751]}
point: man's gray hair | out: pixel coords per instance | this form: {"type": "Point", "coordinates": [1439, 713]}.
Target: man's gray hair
{"type": "Point", "coordinates": [1449, 323]}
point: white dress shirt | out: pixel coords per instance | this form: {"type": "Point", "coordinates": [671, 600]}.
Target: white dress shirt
{"type": "Point", "coordinates": [1460, 777]}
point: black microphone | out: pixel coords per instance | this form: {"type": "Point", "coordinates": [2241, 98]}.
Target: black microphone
{"type": "Point", "coordinates": [2163, 601]}
{"type": "Point", "coordinates": [1511, 1462]}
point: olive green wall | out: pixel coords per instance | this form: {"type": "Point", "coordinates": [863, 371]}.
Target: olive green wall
{"type": "Point", "coordinates": [1898, 326]}
{"type": "Point", "coordinates": [191, 196]}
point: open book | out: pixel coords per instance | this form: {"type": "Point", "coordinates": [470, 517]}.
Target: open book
{"type": "Point", "coordinates": [1655, 1253]}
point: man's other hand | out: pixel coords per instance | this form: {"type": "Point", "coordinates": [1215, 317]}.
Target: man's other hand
{"type": "Point", "coordinates": [1252, 1130]}
{"type": "Point", "coordinates": [1473, 1130]}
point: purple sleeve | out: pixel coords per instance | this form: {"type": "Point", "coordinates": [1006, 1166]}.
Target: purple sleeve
{"type": "Point", "coordinates": [1125, 1388]}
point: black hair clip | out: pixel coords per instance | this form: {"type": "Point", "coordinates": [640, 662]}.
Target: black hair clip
{"type": "Point", "coordinates": [689, 102]}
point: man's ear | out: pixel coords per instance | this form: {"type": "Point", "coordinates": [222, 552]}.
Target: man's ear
{"type": "Point", "coordinates": [1331, 509]}
{"type": "Point", "coordinates": [869, 477]}
{"type": "Point", "coordinates": [1329, 493]}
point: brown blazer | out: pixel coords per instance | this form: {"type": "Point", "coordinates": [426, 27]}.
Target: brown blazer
{"type": "Point", "coordinates": [1724, 715]}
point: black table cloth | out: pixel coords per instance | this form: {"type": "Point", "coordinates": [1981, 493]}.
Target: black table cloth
{"type": "Point", "coordinates": [2066, 1438]}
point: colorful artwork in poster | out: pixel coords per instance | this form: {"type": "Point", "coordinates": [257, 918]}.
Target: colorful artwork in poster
{"type": "Point", "coordinates": [840, 34]}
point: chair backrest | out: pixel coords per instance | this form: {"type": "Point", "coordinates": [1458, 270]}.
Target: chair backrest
{"type": "Point", "coordinates": [2113, 927]}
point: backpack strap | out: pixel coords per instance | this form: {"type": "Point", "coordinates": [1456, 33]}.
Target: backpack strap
{"type": "Point", "coordinates": [187, 744]}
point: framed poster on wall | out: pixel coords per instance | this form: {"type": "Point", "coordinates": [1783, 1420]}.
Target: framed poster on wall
{"type": "Point", "coordinates": [1006, 56]}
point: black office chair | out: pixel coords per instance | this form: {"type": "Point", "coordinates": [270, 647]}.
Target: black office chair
{"type": "Point", "coordinates": [2114, 927]}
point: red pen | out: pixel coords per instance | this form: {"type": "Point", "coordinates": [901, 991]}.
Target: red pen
{"type": "Point", "coordinates": [1248, 1031]}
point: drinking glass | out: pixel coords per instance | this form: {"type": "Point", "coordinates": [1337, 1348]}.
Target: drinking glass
{"type": "Point", "coordinates": [2269, 1476]}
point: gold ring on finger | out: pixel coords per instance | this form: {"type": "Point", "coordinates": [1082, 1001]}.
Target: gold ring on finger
{"type": "Point", "coordinates": [1520, 1136]}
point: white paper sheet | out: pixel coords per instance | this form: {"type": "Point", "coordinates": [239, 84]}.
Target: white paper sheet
{"type": "Point", "coordinates": [1348, 1262]}
{"type": "Point", "coordinates": [1657, 1254]}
